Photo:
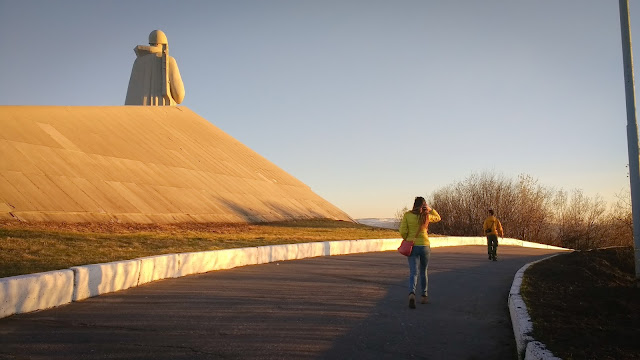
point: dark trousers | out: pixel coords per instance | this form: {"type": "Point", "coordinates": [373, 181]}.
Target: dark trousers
{"type": "Point", "coordinates": [492, 245]}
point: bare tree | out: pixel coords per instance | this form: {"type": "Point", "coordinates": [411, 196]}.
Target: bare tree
{"type": "Point", "coordinates": [619, 222]}
{"type": "Point", "coordinates": [530, 211]}
{"type": "Point", "coordinates": [399, 215]}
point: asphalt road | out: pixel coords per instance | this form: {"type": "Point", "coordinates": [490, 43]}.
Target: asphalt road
{"type": "Point", "coordinates": [339, 307]}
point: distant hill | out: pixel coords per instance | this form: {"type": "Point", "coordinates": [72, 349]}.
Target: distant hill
{"type": "Point", "coordinates": [387, 223]}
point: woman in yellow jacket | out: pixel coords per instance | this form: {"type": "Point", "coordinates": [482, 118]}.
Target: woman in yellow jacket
{"type": "Point", "coordinates": [413, 227]}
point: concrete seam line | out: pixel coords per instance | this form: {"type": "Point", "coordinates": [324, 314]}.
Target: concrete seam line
{"type": "Point", "coordinates": [521, 321]}
{"type": "Point", "coordinates": [342, 247]}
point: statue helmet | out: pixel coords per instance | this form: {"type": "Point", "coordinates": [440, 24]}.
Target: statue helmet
{"type": "Point", "coordinates": [158, 37]}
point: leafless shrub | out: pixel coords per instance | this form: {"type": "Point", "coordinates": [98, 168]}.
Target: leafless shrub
{"type": "Point", "coordinates": [619, 221]}
{"type": "Point", "coordinates": [532, 212]}
{"type": "Point", "coordinates": [580, 220]}
{"type": "Point", "coordinates": [399, 214]}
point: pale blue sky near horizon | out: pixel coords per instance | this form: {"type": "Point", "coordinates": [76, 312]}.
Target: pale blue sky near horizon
{"type": "Point", "coordinates": [368, 102]}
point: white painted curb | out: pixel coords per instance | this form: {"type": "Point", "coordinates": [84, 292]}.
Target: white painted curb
{"type": "Point", "coordinates": [26, 293]}
{"type": "Point", "coordinates": [537, 351]}
{"type": "Point", "coordinates": [205, 261]}
{"type": "Point", "coordinates": [528, 348]}
{"type": "Point", "coordinates": [479, 240]}
{"type": "Point", "coordinates": [158, 267]}
{"type": "Point", "coordinates": [97, 279]}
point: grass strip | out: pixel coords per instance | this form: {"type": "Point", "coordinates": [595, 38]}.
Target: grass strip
{"type": "Point", "coordinates": [32, 248]}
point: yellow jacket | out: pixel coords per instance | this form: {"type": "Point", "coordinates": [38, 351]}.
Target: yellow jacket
{"type": "Point", "coordinates": [410, 224]}
{"type": "Point", "coordinates": [493, 224]}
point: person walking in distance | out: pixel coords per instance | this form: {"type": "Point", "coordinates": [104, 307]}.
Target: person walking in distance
{"type": "Point", "coordinates": [413, 227]}
{"type": "Point", "coordinates": [492, 228]}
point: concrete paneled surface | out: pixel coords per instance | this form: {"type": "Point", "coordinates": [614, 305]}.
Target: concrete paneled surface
{"type": "Point", "coordinates": [139, 164]}
{"type": "Point", "coordinates": [26, 293]}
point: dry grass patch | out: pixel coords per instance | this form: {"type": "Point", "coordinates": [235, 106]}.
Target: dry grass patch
{"type": "Point", "coordinates": [584, 305]}
{"type": "Point", "coordinates": [31, 248]}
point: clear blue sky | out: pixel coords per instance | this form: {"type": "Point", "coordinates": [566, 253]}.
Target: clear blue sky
{"type": "Point", "coordinates": [368, 102]}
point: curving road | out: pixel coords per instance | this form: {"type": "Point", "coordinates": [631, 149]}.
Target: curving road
{"type": "Point", "coordinates": [339, 307]}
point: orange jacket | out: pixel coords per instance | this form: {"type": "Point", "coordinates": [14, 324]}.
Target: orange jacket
{"type": "Point", "coordinates": [493, 225]}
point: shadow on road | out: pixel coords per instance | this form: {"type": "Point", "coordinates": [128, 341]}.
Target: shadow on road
{"type": "Point", "coordinates": [339, 307]}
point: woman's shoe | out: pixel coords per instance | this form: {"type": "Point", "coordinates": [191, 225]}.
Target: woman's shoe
{"type": "Point", "coordinates": [424, 300]}
{"type": "Point", "coordinates": [412, 301]}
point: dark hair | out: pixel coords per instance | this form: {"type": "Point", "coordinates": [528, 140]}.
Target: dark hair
{"type": "Point", "coordinates": [418, 204]}
{"type": "Point", "coordinates": [490, 212]}
{"type": "Point", "coordinates": [420, 209]}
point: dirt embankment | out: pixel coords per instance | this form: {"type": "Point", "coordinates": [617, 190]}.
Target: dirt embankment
{"type": "Point", "coordinates": [585, 304]}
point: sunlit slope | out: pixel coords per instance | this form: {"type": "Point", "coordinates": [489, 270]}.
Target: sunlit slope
{"type": "Point", "coordinates": [139, 164]}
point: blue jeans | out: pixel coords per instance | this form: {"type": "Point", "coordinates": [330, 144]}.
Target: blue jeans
{"type": "Point", "coordinates": [418, 262]}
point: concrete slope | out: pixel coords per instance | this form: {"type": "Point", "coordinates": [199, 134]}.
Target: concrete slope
{"type": "Point", "coordinates": [142, 165]}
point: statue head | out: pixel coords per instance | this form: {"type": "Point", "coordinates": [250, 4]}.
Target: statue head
{"type": "Point", "coordinates": [158, 37]}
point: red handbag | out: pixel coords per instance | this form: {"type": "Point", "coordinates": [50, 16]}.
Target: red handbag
{"type": "Point", "coordinates": [405, 247]}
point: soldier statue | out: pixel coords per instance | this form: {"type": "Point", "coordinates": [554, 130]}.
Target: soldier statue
{"type": "Point", "coordinates": [155, 78]}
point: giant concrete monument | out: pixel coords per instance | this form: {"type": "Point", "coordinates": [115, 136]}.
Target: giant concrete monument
{"type": "Point", "coordinates": [141, 164]}
{"type": "Point", "coordinates": [155, 78]}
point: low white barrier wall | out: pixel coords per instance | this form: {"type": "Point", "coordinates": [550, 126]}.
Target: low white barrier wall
{"type": "Point", "coordinates": [25, 293]}
{"type": "Point", "coordinates": [528, 348]}
{"type": "Point", "coordinates": [537, 351]}
{"type": "Point", "coordinates": [309, 250]}
{"type": "Point", "coordinates": [96, 279]}
{"type": "Point", "coordinates": [159, 267]}
{"type": "Point", "coordinates": [441, 241]}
